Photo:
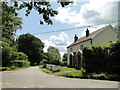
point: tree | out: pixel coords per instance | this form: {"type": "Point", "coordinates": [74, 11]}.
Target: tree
{"type": "Point", "coordinates": [32, 47]}
{"type": "Point", "coordinates": [44, 8]}
{"type": "Point", "coordinates": [54, 53]}
{"type": "Point", "coordinates": [64, 58]}
{"type": "Point", "coordinates": [10, 23]}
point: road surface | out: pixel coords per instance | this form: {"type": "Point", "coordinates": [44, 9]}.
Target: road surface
{"type": "Point", "coordinates": [33, 77]}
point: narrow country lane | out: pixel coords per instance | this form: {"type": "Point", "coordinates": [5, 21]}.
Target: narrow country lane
{"type": "Point", "coordinates": [33, 77]}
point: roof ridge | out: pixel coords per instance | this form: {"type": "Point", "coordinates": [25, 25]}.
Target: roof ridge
{"type": "Point", "coordinates": [93, 34]}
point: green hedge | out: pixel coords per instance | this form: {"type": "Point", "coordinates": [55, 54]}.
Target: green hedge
{"type": "Point", "coordinates": [100, 59]}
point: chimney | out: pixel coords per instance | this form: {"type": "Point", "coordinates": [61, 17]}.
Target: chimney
{"type": "Point", "coordinates": [75, 38]}
{"type": "Point", "coordinates": [87, 32]}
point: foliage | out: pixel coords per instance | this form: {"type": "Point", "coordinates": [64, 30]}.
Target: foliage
{"type": "Point", "coordinates": [44, 62]}
{"type": "Point", "coordinates": [114, 58]}
{"type": "Point", "coordinates": [4, 68]}
{"type": "Point", "coordinates": [32, 47]}
{"type": "Point", "coordinates": [102, 59]}
{"type": "Point", "coordinates": [20, 63]}
{"type": "Point", "coordinates": [100, 76]}
{"type": "Point", "coordinates": [10, 22]}
{"type": "Point", "coordinates": [63, 63]}
{"type": "Point", "coordinates": [55, 62]}
{"type": "Point", "coordinates": [54, 53]}
{"type": "Point", "coordinates": [64, 58]}
{"type": "Point", "coordinates": [41, 66]}
{"type": "Point", "coordinates": [6, 54]}
{"type": "Point", "coordinates": [19, 56]}
{"type": "Point", "coordinates": [47, 56]}
{"type": "Point", "coordinates": [44, 9]}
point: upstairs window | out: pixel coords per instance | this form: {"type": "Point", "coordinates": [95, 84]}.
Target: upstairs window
{"type": "Point", "coordinates": [70, 49]}
{"type": "Point", "coordinates": [81, 46]}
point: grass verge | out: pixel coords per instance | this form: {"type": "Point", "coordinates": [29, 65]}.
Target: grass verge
{"type": "Point", "coordinates": [12, 68]}
{"type": "Point", "coordinates": [73, 73]}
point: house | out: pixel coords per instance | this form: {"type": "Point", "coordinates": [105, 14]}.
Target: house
{"type": "Point", "coordinates": [101, 36]}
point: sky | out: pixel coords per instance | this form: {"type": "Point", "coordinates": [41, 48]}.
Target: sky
{"type": "Point", "coordinates": [81, 13]}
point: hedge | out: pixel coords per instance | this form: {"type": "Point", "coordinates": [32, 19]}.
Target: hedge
{"type": "Point", "coordinates": [98, 59]}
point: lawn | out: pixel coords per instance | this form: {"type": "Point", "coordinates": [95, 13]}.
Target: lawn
{"type": "Point", "coordinates": [64, 71]}
{"type": "Point", "coordinates": [73, 73]}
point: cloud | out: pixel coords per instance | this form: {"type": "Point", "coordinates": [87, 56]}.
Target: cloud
{"type": "Point", "coordinates": [60, 42]}
{"type": "Point", "coordinates": [94, 12]}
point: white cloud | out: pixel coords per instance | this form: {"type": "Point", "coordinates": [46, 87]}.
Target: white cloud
{"type": "Point", "coordinates": [96, 11]}
{"type": "Point", "coordinates": [60, 42]}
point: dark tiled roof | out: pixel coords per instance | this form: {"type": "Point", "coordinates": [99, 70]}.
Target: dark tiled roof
{"type": "Point", "coordinates": [91, 35]}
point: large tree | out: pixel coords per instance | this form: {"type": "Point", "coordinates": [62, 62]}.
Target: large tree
{"type": "Point", "coordinates": [32, 47]}
{"type": "Point", "coordinates": [53, 53]}
{"type": "Point", "coordinates": [10, 23]}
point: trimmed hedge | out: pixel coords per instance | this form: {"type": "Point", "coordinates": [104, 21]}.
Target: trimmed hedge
{"type": "Point", "coordinates": [102, 59]}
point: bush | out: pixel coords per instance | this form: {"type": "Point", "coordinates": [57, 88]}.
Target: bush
{"type": "Point", "coordinates": [18, 56]}
{"type": "Point", "coordinates": [6, 55]}
{"type": "Point", "coordinates": [100, 76]}
{"type": "Point", "coordinates": [63, 63]}
{"type": "Point", "coordinates": [44, 62]}
{"type": "Point", "coordinates": [100, 59]}
{"type": "Point", "coordinates": [55, 62]}
{"type": "Point", "coordinates": [20, 63]}
{"type": "Point", "coordinates": [41, 66]}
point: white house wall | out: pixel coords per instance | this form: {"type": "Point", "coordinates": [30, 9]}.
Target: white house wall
{"type": "Point", "coordinates": [76, 48]}
{"type": "Point", "coordinates": [105, 36]}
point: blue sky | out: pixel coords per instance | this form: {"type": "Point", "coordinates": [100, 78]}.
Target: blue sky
{"type": "Point", "coordinates": [76, 15]}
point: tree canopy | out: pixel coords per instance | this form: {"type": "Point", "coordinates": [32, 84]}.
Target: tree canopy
{"type": "Point", "coordinates": [54, 53]}
{"type": "Point", "coordinates": [32, 47]}
{"type": "Point", "coordinates": [43, 7]}
{"type": "Point", "coordinates": [64, 58]}
{"type": "Point", "coordinates": [10, 23]}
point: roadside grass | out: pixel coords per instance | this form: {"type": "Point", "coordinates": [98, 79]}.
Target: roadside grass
{"type": "Point", "coordinates": [64, 71]}
{"type": "Point", "coordinates": [47, 71]}
{"type": "Point", "coordinates": [12, 68]}
{"type": "Point", "coordinates": [73, 73]}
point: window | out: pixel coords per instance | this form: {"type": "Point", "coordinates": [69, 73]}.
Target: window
{"type": "Point", "coordinates": [70, 49]}
{"type": "Point", "coordinates": [81, 46]}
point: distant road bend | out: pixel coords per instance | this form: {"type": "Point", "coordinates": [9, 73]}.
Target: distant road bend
{"type": "Point", "coordinates": [33, 77]}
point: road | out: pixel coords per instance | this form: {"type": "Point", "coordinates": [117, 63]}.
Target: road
{"type": "Point", "coordinates": [33, 77]}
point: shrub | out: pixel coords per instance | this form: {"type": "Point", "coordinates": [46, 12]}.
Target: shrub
{"type": "Point", "coordinates": [41, 66]}
{"type": "Point", "coordinates": [100, 76]}
{"type": "Point", "coordinates": [100, 59]}
{"type": "Point", "coordinates": [63, 63]}
{"type": "Point", "coordinates": [20, 63]}
{"type": "Point", "coordinates": [44, 62]}
{"type": "Point", "coordinates": [55, 62]}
